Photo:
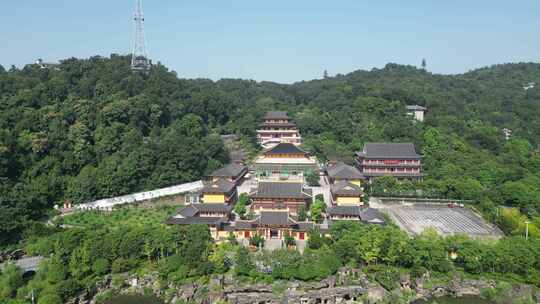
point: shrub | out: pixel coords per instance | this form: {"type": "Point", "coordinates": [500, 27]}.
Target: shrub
{"type": "Point", "coordinates": [256, 241]}
{"type": "Point", "coordinates": [289, 240]}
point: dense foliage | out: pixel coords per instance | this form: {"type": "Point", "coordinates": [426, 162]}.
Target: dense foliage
{"type": "Point", "coordinates": [80, 257]}
{"type": "Point", "coordinates": [93, 129]}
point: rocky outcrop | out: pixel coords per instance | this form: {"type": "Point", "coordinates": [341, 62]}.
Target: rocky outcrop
{"type": "Point", "coordinates": [457, 287]}
{"type": "Point", "coordinates": [326, 295]}
{"type": "Point", "coordinates": [347, 286]}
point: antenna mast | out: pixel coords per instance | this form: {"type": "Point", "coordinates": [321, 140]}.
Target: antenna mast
{"type": "Point", "coordinates": [139, 57]}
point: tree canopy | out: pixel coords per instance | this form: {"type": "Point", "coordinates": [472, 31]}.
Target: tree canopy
{"type": "Point", "coordinates": [93, 129]}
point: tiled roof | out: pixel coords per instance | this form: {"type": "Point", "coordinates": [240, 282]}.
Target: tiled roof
{"type": "Point", "coordinates": [278, 124]}
{"type": "Point", "coordinates": [190, 214]}
{"type": "Point", "coordinates": [281, 190]}
{"type": "Point", "coordinates": [346, 188]}
{"type": "Point", "coordinates": [276, 115]}
{"type": "Point", "coordinates": [229, 170]}
{"type": "Point", "coordinates": [285, 148]}
{"type": "Point", "coordinates": [188, 211]}
{"type": "Point", "coordinates": [274, 218]}
{"type": "Point", "coordinates": [372, 216]}
{"type": "Point", "coordinates": [389, 151]}
{"type": "Point", "coordinates": [344, 171]}
{"type": "Point", "coordinates": [194, 209]}
{"type": "Point", "coordinates": [219, 186]}
{"type": "Point", "coordinates": [305, 226]}
{"type": "Point", "coordinates": [196, 220]}
{"type": "Point", "coordinates": [416, 108]}
{"type": "Point", "coordinates": [211, 207]}
{"type": "Point", "coordinates": [245, 224]}
{"type": "Point", "coordinates": [345, 210]}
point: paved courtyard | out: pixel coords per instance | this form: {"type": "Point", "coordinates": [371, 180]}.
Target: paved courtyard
{"type": "Point", "coordinates": [415, 218]}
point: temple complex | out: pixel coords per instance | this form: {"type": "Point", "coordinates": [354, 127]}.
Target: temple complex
{"type": "Point", "coordinates": [277, 128]}
{"type": "Point", "coordinates": [273, 225]}
{"type": "Point", "coordinates": [216, 216]}
{"type": "Point", "coordinates": [399, 160]}
{"type": "Point", "coordinates": [346, 193]}
{"type": "Point", "coordinates": [220, 191]}
{"type": "Point", "coordinates": [287, 196]}
{"type": "Point", "coordinates": [285, 161]}
{"type": "Point", "coordinates": [232, 172]}
{"type": "Point", "coordinates": [340, 171]}
{"type": "Point", "coordinates": [278, 191]}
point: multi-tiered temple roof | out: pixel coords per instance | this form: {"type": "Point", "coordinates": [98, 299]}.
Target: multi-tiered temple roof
{"type": "Point", "coordinates": [276, 128]}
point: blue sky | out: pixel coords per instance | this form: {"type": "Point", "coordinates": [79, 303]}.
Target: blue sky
{"type": "Point", "coordinates": [277, 40]}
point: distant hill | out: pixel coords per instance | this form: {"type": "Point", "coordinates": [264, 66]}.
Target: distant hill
{"type": "Point", "coordinates": [91, 128]}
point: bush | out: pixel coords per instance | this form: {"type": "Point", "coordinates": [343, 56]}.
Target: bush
{"type": "Point", "coordinates": [289, 240]}
{"type": "Point", "coordinates": [256, 241]}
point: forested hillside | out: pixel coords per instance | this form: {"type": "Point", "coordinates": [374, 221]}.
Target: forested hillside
{"type": "Point", "coordinates": [93, 129]}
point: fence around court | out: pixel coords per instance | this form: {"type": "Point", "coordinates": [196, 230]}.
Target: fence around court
{"type": "Point", "coordinates": [426, 201]}
{"type": "Point", "coordinates": [107, 204]}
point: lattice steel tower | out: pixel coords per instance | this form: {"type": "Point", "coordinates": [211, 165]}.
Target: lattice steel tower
{"type": "Point", "coordinates": [139, 57]}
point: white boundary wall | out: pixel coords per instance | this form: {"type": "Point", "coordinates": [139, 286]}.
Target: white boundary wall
{"type": "Point", "coordinates": [109, 203]}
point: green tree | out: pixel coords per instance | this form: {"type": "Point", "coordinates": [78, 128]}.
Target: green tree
{"type": "Point", "coordinates": [101, 266]}
{"type": "Point", "coordinates": [10, 280]}
{"type": "Point", "coordinates": [316, 239]}
{"type": "Point", "coordinates": [316, 210]}
{"type": "Point", "coordinates": [240, 207]}
{"type": "Point", "coordinates": [312, 178]}
{"type": "Point", "coordinates": [302, 214]}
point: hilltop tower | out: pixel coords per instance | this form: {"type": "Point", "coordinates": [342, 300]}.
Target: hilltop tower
{"type": "Point", "coordinates": [139, 57]}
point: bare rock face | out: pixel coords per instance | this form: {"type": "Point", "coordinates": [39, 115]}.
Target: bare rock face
{"type": "Point", "coordinates": [325, 295]}
{"type": "Point", "coordinates": [187, 292]}
{"type": "Point", "coordinates": [376, 293]}
{"type": "Point", "coordinates": [471, 287]}
{"type": "Point", "coordinates": [253, 297]}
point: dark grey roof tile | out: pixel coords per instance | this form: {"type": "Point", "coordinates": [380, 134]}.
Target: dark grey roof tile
{"type": "Point", "coordinates": [276, 115]}
{"type": "Point", "coordinates": [344, 171]}
{"type": "Point", "coordinates": [372, 216]}
{"type": "Point", "coordinates": [390, 151]}
{"type": "Point", "coordinates": [280, 190]}
{"type": "Point", "coordinates": [345, 210]}
{"type": "Point", "coordinates": [346, 188]}
{"type": "Point", "coordinates": [230, 170]}
{"type": "Point", "coordinates": [220, 186]}
{"type": "Point", "coordinates": [285, 148]}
